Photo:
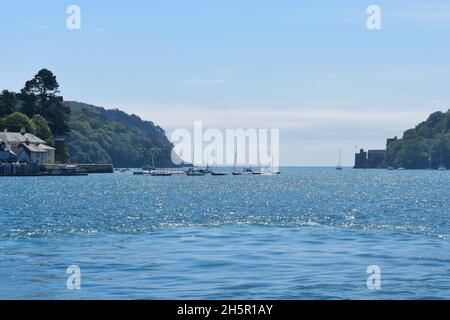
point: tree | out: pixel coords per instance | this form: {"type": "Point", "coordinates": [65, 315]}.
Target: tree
{"type": "Point", "coordinates": [16, 121]}
{"type": "Point", "coordinates": [43, 84]}
{"type": "Point", "coordinates": [42, 129]}
{"type": "Point", "coordinates": [8, 103]}
{"type": "Point", "coordinates": [40, 96]}
{"type": "Point", "coordinates": [28, 103]}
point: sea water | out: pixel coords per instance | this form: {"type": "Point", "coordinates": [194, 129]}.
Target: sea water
{"type": "Point", "coordinates": [308, 233]}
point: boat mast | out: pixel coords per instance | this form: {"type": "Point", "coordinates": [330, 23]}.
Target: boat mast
{"type": "Point", "coordinates": [153, 161]}
{"type": "Point", "coordinates": [340, 155]}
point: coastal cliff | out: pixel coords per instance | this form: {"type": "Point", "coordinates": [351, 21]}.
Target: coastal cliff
{"type": "Point", "coordinates": [113, 136]}
{"type": "Point", "coordinates": [425, 146]}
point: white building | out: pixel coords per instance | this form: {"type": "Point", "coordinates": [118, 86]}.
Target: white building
{"type": "Point", "coordinates": [26, 147]}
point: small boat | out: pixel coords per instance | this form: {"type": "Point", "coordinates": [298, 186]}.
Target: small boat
{"type": "Point", "coordinates": [194, 173]}
{"type": "Point", "coordinates": [401, 168]}
{"type": "Point", "coordinates": [442, 168]}
{"type": "Point", "coordinates": [390, 168]}
{"type": "Point", "coordinates": [160, 173]}
{"type": "Point", "coordinates": [205, 170]}
{"type": "Point", "coordinates": [218, 173]}
{"type": "Point", "coordinates": [259, 171]}
{"type": "Point", "coordinates": [138, 173]}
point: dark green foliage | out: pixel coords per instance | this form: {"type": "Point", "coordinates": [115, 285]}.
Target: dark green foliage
{"type": "Point", "coordinates": [28, 103]}
{"type": "Point", "coordinates": [42, 129]}
{"type": "Point", "coordinates": [425, 146]}
{"type": "Point", "coordinates": [105, 136]}
{"type": "Point", "coordinates": [16, 121]}
{"type": "Point", "coordinates": [8, 103]}
{"type": "Point", "coordinates": [40, 96]}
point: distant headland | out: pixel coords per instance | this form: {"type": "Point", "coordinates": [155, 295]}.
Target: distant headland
{"type": "Point", "coordinates": [427, 146]}
{"type": "Point", "coordinates": [81, 133]}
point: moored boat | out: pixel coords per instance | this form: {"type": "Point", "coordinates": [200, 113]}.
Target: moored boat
{"type": "Point", "coordinates": [194, 173]}
{"type": "Point", "coordinates": [218, 173]}
{"type": "Point", "coordinates": [160, 173]}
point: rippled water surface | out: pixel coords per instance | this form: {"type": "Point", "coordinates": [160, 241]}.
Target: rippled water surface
{"type": "Point", "coordinates": [307, 233]}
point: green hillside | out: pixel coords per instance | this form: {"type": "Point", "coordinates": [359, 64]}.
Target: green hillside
{"type": "Point", "coordinates": [425, 146]}
{"type": "Point", "coordinates": [112, 136]}
{"type": "Point", "coordinates": [93, 134]}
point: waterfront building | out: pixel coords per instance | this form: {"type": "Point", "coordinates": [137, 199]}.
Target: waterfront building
{"type": "Point", "coordinates": [25, 147]}
{"type": "Point", "coordinates": [372, 159]}
{"type": "Point", "coordinates": [360, 159]}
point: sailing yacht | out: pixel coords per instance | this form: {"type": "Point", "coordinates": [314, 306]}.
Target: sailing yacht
{"type": "Point", "coordinates": [259, 171]}
{"type": "Point", "coordinates": [274, 170]}
{"type": "Point", "coordinates": [158, 172]}
{"type": "Point", "coordinates": [339, 166]}
{"type": "Point", "coordinates": [235, 172]}
{"type": "Point", "coordinates": [214, 172]}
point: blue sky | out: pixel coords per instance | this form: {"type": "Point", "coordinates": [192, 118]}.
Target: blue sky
{"type": "Point", "coordinates": [311, 69]}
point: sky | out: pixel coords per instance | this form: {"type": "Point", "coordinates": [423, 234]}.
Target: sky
{"type": "Point", "coordinates": [312, 70]}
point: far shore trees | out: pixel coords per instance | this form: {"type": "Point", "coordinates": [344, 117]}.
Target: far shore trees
{"type": "Point", "coordinates": [425, 146]}
{"type": "Point", "coordinates": [16, 121]}
{"type": "Point", "coordinates": [38, 108]}
{"type": "Point", "coordinates": [40, 96]}
{"type": "Point", "coordinates": [8, 103]}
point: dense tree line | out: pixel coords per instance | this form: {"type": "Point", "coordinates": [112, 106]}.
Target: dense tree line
{"type": "Point", "coordinates": [93, 134]}
{"type": "Point", "coordinates": [105, 136]}
{"type": "Point", "coordinates": [425, 146]}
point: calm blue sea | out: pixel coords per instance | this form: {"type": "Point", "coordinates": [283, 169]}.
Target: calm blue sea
{"type": "Point", "coordinates": [309, 233]}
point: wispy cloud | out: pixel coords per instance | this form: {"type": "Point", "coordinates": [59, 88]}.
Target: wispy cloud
{"type": "Point", "coordinates": [312, 119]}
{"type": "Point", "coordinates": [206, 81]}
